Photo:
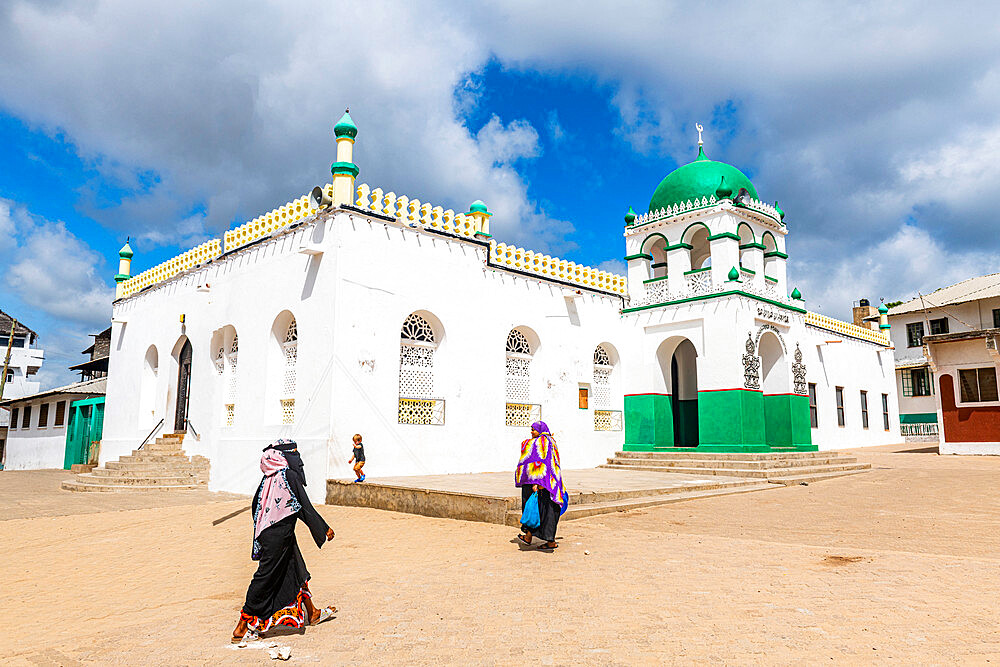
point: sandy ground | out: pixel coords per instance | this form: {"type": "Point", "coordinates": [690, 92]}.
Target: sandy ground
{"type": "Point", "coordinates": [900, 564]}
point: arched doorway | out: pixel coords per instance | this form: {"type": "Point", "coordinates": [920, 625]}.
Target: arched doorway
{"type": "Point", "coordinates": [684, 394]}
{"type": "Point", "coordinates": [776, 388]}
{"type": "Point", "coordinates": [183, 387]}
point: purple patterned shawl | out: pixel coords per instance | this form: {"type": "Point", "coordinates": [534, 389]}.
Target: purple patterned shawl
{"type": "Point", "coordinates": [539, 464]}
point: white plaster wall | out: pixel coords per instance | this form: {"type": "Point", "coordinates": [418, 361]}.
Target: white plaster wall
{"type": "Point", "coordinates": [350, 303]}
{"type": "Point", "coordinates": [21, 359]}
{"type": "Point", "coordinates": [35, 448]}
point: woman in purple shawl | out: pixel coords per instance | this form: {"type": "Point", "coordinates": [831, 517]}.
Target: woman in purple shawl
{"type": "Point", "coordinates": [539, 471]}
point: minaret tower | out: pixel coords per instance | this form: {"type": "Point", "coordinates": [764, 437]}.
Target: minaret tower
{"type": "Point", "coordinates": [344, 170]}
{"type": "Point", "coordinates": [124, 268]}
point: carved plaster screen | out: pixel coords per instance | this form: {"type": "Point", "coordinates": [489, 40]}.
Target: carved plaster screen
{"type": "Point", "coordinates": [416, 358]}
{"type": "Point", "coordinates": [602, 378]}
{"type": "Point", "coordinates": [231, 382]}
{"type": "Point", "coordinates": [290, 351]}
{"type": "Point", "coordinates": [417, 345]}
{"type": "Point", "coordinates": [519, 410]}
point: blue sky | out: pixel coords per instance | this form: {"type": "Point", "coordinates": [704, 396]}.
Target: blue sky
{"type": "Point", "coordinates": [171, 122]}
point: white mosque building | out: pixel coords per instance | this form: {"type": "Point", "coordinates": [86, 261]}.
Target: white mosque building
{"type": "Point", "coordinates": [356, 310]}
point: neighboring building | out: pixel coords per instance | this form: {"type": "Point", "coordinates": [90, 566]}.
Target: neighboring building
{"type": "Point", "coordinates": [356, 310]}
{"type": "Point", "coordinates": [946, 365]}
{"type": "Point", "coordinates": [25, 361]}
{"type": "Point", "coordinates": [97, 365]}
{"type": "Point", "coordinates": [54, 428]}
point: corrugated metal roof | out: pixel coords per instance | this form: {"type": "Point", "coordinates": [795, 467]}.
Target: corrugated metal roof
{"type": "Point", "coordinates": [96, 387]}
{"type": "Point", "coordinates": [983, 287]}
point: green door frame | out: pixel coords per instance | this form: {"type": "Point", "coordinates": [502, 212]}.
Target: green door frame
{"type": "Point", "coordinates": [82, 430]}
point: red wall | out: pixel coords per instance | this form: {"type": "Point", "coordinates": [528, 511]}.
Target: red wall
{"type": "Point", "coordinates": [981, 424]}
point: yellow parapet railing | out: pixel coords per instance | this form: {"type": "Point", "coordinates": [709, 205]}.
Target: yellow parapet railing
{"type": "Point", "coordinates": [264, 224]}
{"type": "Point", "coordinates": [170, 268]}
{"type": "Point", "coordinates": [852, 330]}
{"type": "Point", "coordinates": [559, 269]}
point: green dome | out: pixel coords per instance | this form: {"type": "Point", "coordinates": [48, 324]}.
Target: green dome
{"type": "Point", "coordinates": [698, 179]}
{"type": "Point", "coordinates": [882, 309]}
{"type": "Point", "coordinates": [345, 127]}
{"type": "Point", "coordinates": [126, 251]}
{"type": "Point", "coordinates": [629, 216]}
{"type": "Point", "coordinates": [478, 207]}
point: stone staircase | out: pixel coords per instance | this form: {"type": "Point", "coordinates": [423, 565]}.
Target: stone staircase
{"type": "Point", "coordinates": [159, 466]}
{"type": "Point", "coordinates": [773, 467]}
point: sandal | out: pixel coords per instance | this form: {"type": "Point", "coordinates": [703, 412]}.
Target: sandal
{"type": "Point", "coordinates": [548, 547]}
{"type": "Point", "coordinates": [325, 614]}
{"type": "Point", "coordinates": [524, 541]}
{"type": "Point", "coordinates": [249, 636]}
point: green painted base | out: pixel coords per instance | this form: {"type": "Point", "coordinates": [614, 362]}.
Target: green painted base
{"type": "Point", "coordinates": [750, 449]}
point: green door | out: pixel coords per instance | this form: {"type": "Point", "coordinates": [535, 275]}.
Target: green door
{"type": "Point", "coordinates": [86, 424]}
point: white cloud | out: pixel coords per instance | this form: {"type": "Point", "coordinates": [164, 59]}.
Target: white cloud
{"type": "Point", "coordinates": [52, 271]}
{"type": "Point", "coordinates": [614, 266]}
{"type": "Point", "coordinates": [858, 117]}
{"type": "Point", "coordinates": [905, 263]}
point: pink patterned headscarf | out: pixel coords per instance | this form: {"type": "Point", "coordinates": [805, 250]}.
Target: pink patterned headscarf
{"type": "Point", "coordinates": [276, 500]}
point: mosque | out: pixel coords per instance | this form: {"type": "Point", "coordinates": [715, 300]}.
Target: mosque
{"type": "Point", "coordinates": [357, 310]}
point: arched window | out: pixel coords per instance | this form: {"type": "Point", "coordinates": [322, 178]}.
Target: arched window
{"type": "Point", "coordinates": [231, 381]}
{"type": "Point", "coordinates": [605, 417]}
{"type": "Point", "coordinates": [417, 344]}
{"type": "Point", "coordinates": [290, 353]}
{"type": "Point", "coordinates": [147, 391]}
{"type": "Point", "coordinates": [520, 411]}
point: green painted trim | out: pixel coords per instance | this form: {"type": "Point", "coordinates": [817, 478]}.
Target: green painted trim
{"type": "Point", "coordinates": [649, 421]}
{"type": "Point", "coordinates": [653, 280]}
{"type": "Point", "coordinates": [776, 253]}
{"type": "Point", "coordinates": [344, 168]}
{"type": "Point", "coordinates": [679, 246]}
{"type": "Point", "coordinates": [121, 277]}
{"type": "Point", "coordinates": [658, 265]}
{"type": "Point", "coordinates": [696, 224]}
{"type": "Point", "coordinates": [641, 255]}
{"type": "Point", "coordinates": [770, 279]}
{"type": "Point", "coordinates": [918, 418]}
{"type": "Point", "coordinates": [701, 270]}
{"type": "Point", "coordinates": [753, 245]}
{"type": "Point", "coordinates": [702, 297]}
{"type": "Point", "coordinates": [753, 236]}
{"type": "Point", "coordinates": [746, 270]}
{"type": "Point", "coordinates": [654, 234]}
{"type": "Point", "coordinates": [724, 235]}
{"type": "Point", "coordinates": [883, 326]}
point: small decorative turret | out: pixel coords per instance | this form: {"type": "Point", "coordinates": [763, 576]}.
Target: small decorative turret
{"type": "Point", "coordinates": [479, 213]}
{"type": "Point", "coordinates": [344, 170]}
{"type": "Point", "coordinates": [124, 267]}
{"type": "Point", "coordinates": [781, 214]}
{"type": "Point", "coordinates": [734, 275]}
{"type": "Point", "coordinates": [883, 317]}
{"type": "Point", "coordinates": [723, 191]}
{"type": "Point", "coordinates": [796, 294]}
{"type": "Point", "coordinates": [629, 216]}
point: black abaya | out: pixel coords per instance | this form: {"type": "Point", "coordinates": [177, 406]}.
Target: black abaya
{"type": "Point", "coordinates": [548, 512]}
{"type": "Point", "coordinates": [282, 572]}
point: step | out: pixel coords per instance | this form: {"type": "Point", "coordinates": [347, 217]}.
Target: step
{"type": "Point", "coordinates": [591, 509]}
{"type": "Point", "coordinates": [792, 480]}
{"type": "Point", "coordinates": [151, 452]}
{"type": "Point", "coordinates": [736, 465]}
{"type": "Point", "coordinates": [762, 474]}
{"type": "Point", "coordinates": [584, 498]}
{"type": "Point", "coordinates": [162, 447]}
{"type": "Point", "coordinates": [81, 467]}
{"type": "Point", "coordinates": [77, 485]}
{"type": "Point", "coordinates": [726, 456]}
{"type": "Point", "coordinates": [149, 480]}
{"type": "Point", "coordinates": [150, 472]}
{"type": "Point", "coordinates": [155, 465]}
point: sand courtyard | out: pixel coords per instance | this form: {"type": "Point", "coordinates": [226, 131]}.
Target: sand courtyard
{"type": "Point", "coordinates": [898, 564]}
